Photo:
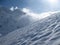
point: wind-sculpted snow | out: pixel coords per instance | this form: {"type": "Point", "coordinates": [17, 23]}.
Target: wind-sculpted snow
{"type": "Point", "coordinates": [42, 32]}
{"type": "Point", "coordinates": [12, 20]}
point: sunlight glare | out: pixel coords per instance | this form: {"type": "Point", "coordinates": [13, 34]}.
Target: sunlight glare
{"type": "Point", "coordinates": [53, 1]}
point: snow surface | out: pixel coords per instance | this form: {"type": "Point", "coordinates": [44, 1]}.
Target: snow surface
{"type": "Point", "coordinates": [12, 20]}
{"type": "Point", "coordinates": [43, 32]}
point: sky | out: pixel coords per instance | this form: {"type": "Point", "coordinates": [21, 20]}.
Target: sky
{"type": "Point", "coordinates": [37, 6]}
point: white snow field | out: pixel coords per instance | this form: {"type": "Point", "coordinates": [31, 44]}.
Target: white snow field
{"type": "Point", "coordinates": [45, 31]}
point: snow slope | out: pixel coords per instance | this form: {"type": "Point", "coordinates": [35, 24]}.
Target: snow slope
{"type": "Point", "coordinates": [12, 20]}
{"type": "Point", "coordinates": [43, 32]}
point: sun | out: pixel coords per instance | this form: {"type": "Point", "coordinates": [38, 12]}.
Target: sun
{"type": "Point", "coordinates": [52, 1]}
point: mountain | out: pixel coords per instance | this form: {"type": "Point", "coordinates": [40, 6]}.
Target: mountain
{"type": "Point", "coordinates": [43, 32]}
{"type": "Point", "coordinates": [12, 20]}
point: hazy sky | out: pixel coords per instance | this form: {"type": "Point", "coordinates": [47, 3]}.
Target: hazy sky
{"type": "Point", "coordinates": [37, 6]}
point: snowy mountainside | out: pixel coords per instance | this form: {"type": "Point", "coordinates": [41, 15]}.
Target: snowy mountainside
{"type": "Point", "coordinates": [12, 20]}
{"type": "Point", "coordinates": [43, 32]}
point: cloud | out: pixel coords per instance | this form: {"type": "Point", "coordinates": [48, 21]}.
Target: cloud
{"type": "Point", "coordinates": [29, 12]}
{"type": "Point", "coordinates": [35, 15]}
{"type": "Point", "coordinates": [16, 8]}
{"type": "Point", "coordinates": [13, 8]}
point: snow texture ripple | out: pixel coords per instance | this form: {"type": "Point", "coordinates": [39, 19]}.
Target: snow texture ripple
{"type": "Point", "coordinates": [43, 32]}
